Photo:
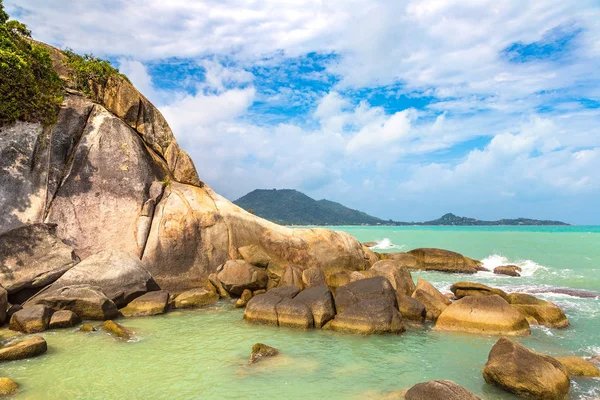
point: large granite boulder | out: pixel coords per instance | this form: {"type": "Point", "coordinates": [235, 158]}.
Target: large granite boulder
{"type": "Point", "coordinates": [64, 319]}
{"type": "Point", "coordinates": [405, 259]}
{"type": "Point", "coordinates": [33, 319]}
{"type": "Point", "coordinates": [32, 257]}
{"type": "Point", "coordinates": [320, 302]}
{"type": "Point", "coordinates": [445, 261]}
{"type": "Point", "coordinates": [463, 289]}
{"type": "Point", "coordinates": [121, 276]}
{"type": "Point", "coordinates": [294, 314]}
{"type": "Point", "coordinates": [377, 288]}
{"type": "Point", "coordinates": [367, 317]}
{"type": "Point", "coordinates": [439, 390]}
{"type": "Point", "coordinates": [313, 277]}
{"type": "Point", "coordinates": [255, 255]}
{"type": "Point", "coordinates": [239, 275]}
{"type": "Point", "coordinates": [488, 315]}
{"type": "Point", "coordinates": [292, 276]}
{"type": "Point", "coordinates": [411, 309]}
{"type": "Point", "coordinates": [262, 309]}
{"type": "Point", "coordinates": [397, 274]}
{"type": "Point", "coordinates": [538, 311]}
{"type": "Point", "coordinates": [151, 303]}
{"type": "Point", "coordinates": [26, 348]}
{"type": "Point", "coordinates": [525, 373]}
{"type": "Point", "coordinates": [577, 366]}
{"type": "Point", "coordinates": [431, 298]}
{"type": "Point", "coordinates": [88, 302]}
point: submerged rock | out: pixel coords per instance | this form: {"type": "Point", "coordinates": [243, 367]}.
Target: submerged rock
{"type": "Point", "coordinates": [8, 387]}
{"type": "Point", "coordinates": [239, 275]}
{"type": "Point", "coordinates": [464, 289]}
{"type": "Point", "coordinates": [510, 270]}
{"type": "Point", "coordinates": [194, 298]}
{"type": "Point", "coordinates": [439, 390]}
{"type": "Point", "coordinates": [151, 303]}
{"type": "Point", "coordinates": [87, 328]}
{"type": "Point", "coordinates": [488, 315]}
{"type": "Point", "coordinates": [121, 276]}
{"type": "Point", "coordinates": [538, 311]}
{"type": "Point", "coordinates": [26, 348]}
{"type": "Point", "coordinates": [525, 373]}
{"type": "Point", "coordinates": [88, 302]}
{"type": "Point", "coordinates": [577, 366]}
{"type": "Point", "coordinates": [64, 319]}
{"type": "Point", "coordinates": [116, 329]}
{"type": "Point", "coordinates": [31, 319]}
{"type": "Point", "coordinates": [445, 261]}
{"type": "Point", "coordinates": [262, 351]}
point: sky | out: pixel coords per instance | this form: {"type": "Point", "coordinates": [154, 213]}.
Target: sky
{"type": "Point", "coordinates": [406, 110]}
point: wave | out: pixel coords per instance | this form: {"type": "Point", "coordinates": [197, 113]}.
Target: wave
{"type": "Point", "coordinates": [385, 244]}
{"type": "Point", "coordinates": [528, 267]}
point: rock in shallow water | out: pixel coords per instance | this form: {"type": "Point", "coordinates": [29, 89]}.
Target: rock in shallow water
{"type": "Point", "coordinates": [151, 303]}
{"type": "Point", "coordinates": [64, 319]}
{"type": "Point", "coordinates": [464, 289]}
{"type": "Point", "coordinates": [577, 366]}
{"type": "Point", "coordinates": [195, 298]}
{"type": "Point", "coordinates": [244, 299]}
{"type": "Point", "coordinates": [439, 390]}
{"type": "Point", "coordinates": [525, 373]}
{"type": "Point", "coordinates": [27, 348]}
{"type": "Point", "coordinates": [538, 311]}
{"type": "Point", "coordinates": [445, 261]}
{"type": "Point", "coordinates": [31, 319]}
{"type": "Point", "coordinates": [8, 387]}
{"type": "Point", "coordinates": [262, 351]}
{"type": "Point", "coordinates": [239, 275]}
{"type": "Point", "coordinates": [320, 302]}
{"type": "Point", "coordinates": [87, 328]}
{"type": "Point", "coordinates": [510, 270]}
{"type": "Point", "coordinates": [367, 317]}
{"type": "Point", "coordinates": [397, 274]}
{"type": "Point", "coordinates": [116, 329]}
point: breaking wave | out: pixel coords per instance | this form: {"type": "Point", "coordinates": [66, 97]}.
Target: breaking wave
{"type": "Point", "coordinates": [385, 244]}
{"type": "Point", "coordinates": [528, 267]}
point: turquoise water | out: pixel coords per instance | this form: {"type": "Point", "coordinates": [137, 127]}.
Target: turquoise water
{"type": "Point", "coordinates": [202, 354]}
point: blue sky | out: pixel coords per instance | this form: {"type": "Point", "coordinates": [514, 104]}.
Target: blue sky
{"type": "Point", "coordinates": [403, 109]}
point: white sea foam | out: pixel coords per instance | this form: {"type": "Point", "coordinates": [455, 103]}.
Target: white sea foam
{"type": "Point", "coordinates": [528, 267]}
{"type": "Point", "coordinates": [384, 244]}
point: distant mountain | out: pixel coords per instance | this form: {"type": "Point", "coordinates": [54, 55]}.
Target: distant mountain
{"type": "Point", "coordinates": [291, 207]}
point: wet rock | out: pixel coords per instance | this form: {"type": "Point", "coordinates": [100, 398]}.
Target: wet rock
{"type": "Point", "coordinates": [369, 316]}
{"type": "Point", "coordinates": [116, 329]}
{"type": "Point", "coordinates": [510, 270]}
{"type": "Point", "coordinates": [397, 274]}
{"type": "Point", "coordinates": [313, 277]}
{"type": "Point", "coordinates": [411, 309]}
{"type": "Point", "coordinates": [538, 311]}
{"type": "Point", "coordinates": [195, 298]}
{"type": "Point", "coordinates": [320, 302]}
{"type": "Point", "coordinates": [64, 319]}
{"type": "Point", "coordinates": [151, 303]}
{"type": "Point", "coordinates": [488, 315]}
{"type": "Point", "coordinates": [445, 261]}
{"type": "Point", "coordinates": [262, 351]}
{"type": "Point", "coordinates": [32, 256]}
{"type": "Point", "coordinates": [239, 275]}
{"type": "Point", "coordinates": [244, 299]}
{"type": "Point", "coordinates": [32, 319]}
{"type": "Point", "coordinates": [255, 255]}
{"type": "Point", "coordinates": [439, 390]}
{"type": "Point", "coordinates": [463, 289]}
{"type": "Point", "coordinates": [378, 288]}
{"type": "Point", "coordinates": [294, 314]}
{"type": "Point", "coordinates": [27, 348]}
{"type": "Point", "coordinates": [577, 366]}
{"type": "Point", "coordinates": [292, 276]}
{"type": "Point", "coordinates": [510, 366]}
{"type": "Point", "coordinates": [87, 328]}
{"type": "Point", "coordinates": [8, 387]}
{"type": "Point", "coordinates": [89, 302]}
{"type": "Point", "coordinates": [121, 276]}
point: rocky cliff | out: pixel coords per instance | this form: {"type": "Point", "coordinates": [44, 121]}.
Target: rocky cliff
{"type": "Point", "coordinates": [111, 175]}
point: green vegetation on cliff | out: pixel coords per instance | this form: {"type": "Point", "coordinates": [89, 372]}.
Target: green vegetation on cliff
{"type": "Point", "coordinates": [30, 89]}
{"type": "Point", "coordinates": [89, 70]}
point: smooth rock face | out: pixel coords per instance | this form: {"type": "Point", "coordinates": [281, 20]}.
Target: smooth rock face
{"type": "Point", "coordinates": [32, 257]}
{"type": "Point", "coordinates": [439, 390]}
{"type": "Point", "coordinates": [151, 303]}
{"type": "Point", "coordinates": [525, 373]}
{"type": "Point", "coordinates": [427, 287]}
{"type": "Point", "coordinates": [262, 308]}
{"type": "Point", "coordinates": [31, 319]}
{"type": "Point", "coordinates": [538, 311]}
{"type": "Point", "coordinates": [116, 329]}
{"type": "Point", "coordinates": [397, 274]}
{"type": "Point", "coordinates": [262, 351]}
{"type": "Point", "coordinates": [255, 255]}
{"type": "Point", "coordinates": [26, 348]}
{"type": "Point", "coordinates": [294, 314]}
{"type": "Point", "coordinates": [510, 270]}
{"type": "Point", "coordinates": [431, 298]}
{"type": "Point", "coordinates": [320, 302]}
{"type": "Point", "coordinates": [406, 260]}
{"type": "Point", "coordinates": [336, 280]}
{"type": "Point", "coordinates": [313, 277]}
{"type": "Point", "coordinates": [378, 288]}
{"type": "Point", "coordinates": [488, 315]}
{"type": "Point", "coordinates": [292, 276]}
{"type": "Point", "coordinates": [121, 276]}
{"type": "Point", "coordinates": [195, 298]}
{"type": "Point", "coordinates": [239, 275]}
{"type": "Point", "coordinates": [369, 316]}
{"type": "Point", "coordinates": [88, 302]}
{"type": "Point", "coordinates": [411, 309]}
{"type": "Point", "coordinates": [64, 319]}
{"type": "Point", "coordinates": [8, 387]}
{"type": "Point", "coordinates": [463, 289]}
{"type": "Point", "coordinates": [577, 366]}
{"type": "Point", "coordinates": [445, 261]}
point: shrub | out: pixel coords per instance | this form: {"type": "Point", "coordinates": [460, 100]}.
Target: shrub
{"type": "Point", "coordinates": [89, 70]}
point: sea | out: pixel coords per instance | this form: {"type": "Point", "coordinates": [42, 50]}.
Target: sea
{"type": "Point", "coordinates": [203, 354]}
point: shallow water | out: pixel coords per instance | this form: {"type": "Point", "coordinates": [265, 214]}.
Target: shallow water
{"type": "Point", "coordinates": [204, 353]}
